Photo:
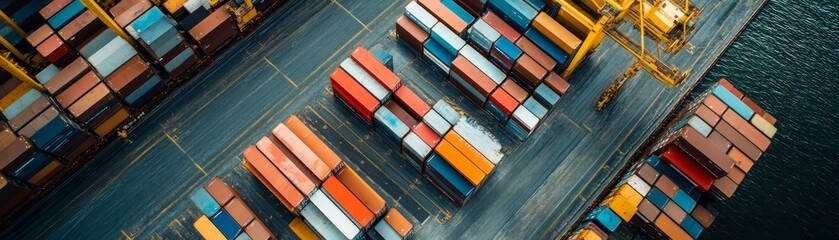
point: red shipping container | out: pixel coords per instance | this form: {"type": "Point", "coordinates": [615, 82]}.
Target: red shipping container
{"type": "Point", "coordinates": [294, 174]}
{"type": "Point", "coordinates": [504, 101]}
{"type": "Point", "coordinates": [56, 51]}
{"type": "Point", "coordinates": [688, 167]}
{"type": "Point", "coordinates": [502, 27]}
{"type": "Point", "coordinates": [348, 202]}
{"type": "Point", "coordinates": [354, 95]}
{"type": "Point", "coordinates": [412, 103]}
{"type": "Point", "coordinates": [446, 16]}
{"type": "Point", "coordinates": [382, 74]}
{"type": "Point", "coordinates": [427, 134]}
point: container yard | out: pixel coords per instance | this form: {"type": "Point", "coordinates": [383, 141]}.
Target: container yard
{"type": "Point", "coordinates": [428, 119]}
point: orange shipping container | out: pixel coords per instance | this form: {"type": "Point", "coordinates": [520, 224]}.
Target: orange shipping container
{"type": "Point", "coordinates": [470, 152]}
{"type": "Point", "coordinates": [446, 16]}
{"type": "Point", "coordinates": [398, 222]}
{"type": "Point", "coordinates": [332, 160]}
{"type": "Point", "coordinates": [465, 167]}
{"type": "Point", "coordinates": [382, 74]}
{"type": "Point", "coordinates": [301, 151]}
{"type": "Point", "coordinates": [558, 34]}
{"type": "Point", "coordinates": [670, 228]}
{"type": "Point", "coordinates": [362, 190]}
{"type": "Point", "coordinates": [260, 167]}
{"type": "Point", "coordinates": [575, 20]}
{"type": "Point", "coordinates": [297, 176]}
{"type": "Point", "coordinates": [339, 193]}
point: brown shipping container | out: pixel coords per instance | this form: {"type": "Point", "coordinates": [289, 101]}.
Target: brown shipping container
{"type": "Point", "coordinates": [670, 228]}
{"type": "Point", "coordinates": [674, 212]}
{"type": "Point", "coordinates": [715, 104]}
{"type": "Point", "coordinates": [514, 90]}
{"type": "Point", "coordinates": [300, 151]}
{"type": "Point", "coordinates": [47, 173]}
{"type": "Point", "coordinates": [719, 141]}
{"type": "Point", "coordinates": [91, 103]}
{"type": "Point", "coordinates": [647, 210]}
{"type": "Point", "coordinates": [81, 149]}
{"type": "Point", "coordinates": [401, 114]}
{"type": "Point", "coordinates": [411, 33]}
{"type": "Point", "coordinates": [702, 151]}
{"type": "Point", "coordinates": [220, 191]}
{"type": "Point", "coordinates": [667, 186]}
{"type": "Point", "coordinates": [398, 222]}
{"type": "Point", "coordinates": [6, 136]}
{"type": "Point", "coordinates": [747, 130]}
{"type": "Point", "coordinates": [67, 76]}
{"type": "Point", "coordinates": [741, 160]}
{"type": "Point", "coordinates": [730, 87]}
{"type": "Point", "coordinates": [40, 121]}
{"type": "Point", "coordinates": [29, 113]}
{"type": "Point", "coordinates": [126, 11]}
{"type": "Point", "coordinates": [536, 53]}
{"type": "Point", "coordinates": [110, 120]}
{"type": "Point", "coordinates": [130, 76]}
{"type": "Point", "coordinates": [557, 83]}
{"type": "Point", "coordinates": [648, 173]}
{"type": "Point", "coordinates": [13, 196]}
{"type": "Point", "coordinates": [706, 114]}
{"type": "Point", "coordinates": [704, 215]}
{"type": "Point", "coordinates": [8, 87]}
{"type": "Point", "coordinates": [529, 71]}
{"type": "Point", "coordinates": [473, 76]}
{"type": "Point", "coordinates": [751, 103]}
{"type": "Point", "coordinates": [272, 179]}
{"type": "Point", "coordinates": [258, 231]}
{"type": "Point", "coordinates": [240, 212]}
{"type": "Point", "coordinates": [77, 89]}
{"type": "Point", "coordinates": [332, 160]}
{"type": "Point", "coordinates": [39, 35]}
{"type": "Point", "coordinates": [737, 175]}
{"type": "Point", "coordinates": [15, 154]}
{"type": "Point", "coordinates": [53, 7]}
{"type": "Point", "coordinates": [80, 29]}
{"type": "Point", "coordinates": [215, 31]}
{"type": "Point", "coordinates": [184, 67]}
{"type": "Point", "coordinates": [57, 51]}
{"type": "Point", "coordinates": [724, 187]}
{"type": "Point", "coordinates": [738, 140]}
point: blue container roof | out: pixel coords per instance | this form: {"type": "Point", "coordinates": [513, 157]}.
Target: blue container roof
{"type": "Point", "coordinates": [733, 102]}
{"type": "Point", "coordinates": [438, 51]}
{"type": "Point", "coordinates": [66, 14]}
{"type": "Point", "coordinates": [205, 202]}
{"type": "Point", "coordinates": [605, 217]}
{"type": "Point", "coordinates": [657, 198]}
{"type": "Point", "coordinates": [546, 45]}
{"type": "Point", "coordinates": [225, 223]}
{"type": "Point", "coordinates": [147, 19]}
{"type": "Point", "coordinates": [508, 48]}
{"type": "Point", "coordinates": [459, 11]}
{"type": "Point", "coordinates": [692, 227]}
{"type": "Point", "coordinates": [684, 200]}
{"type": "Point", "coordinates": [450, 174]}
{"type": "Point", "coordinates": [31, 166]}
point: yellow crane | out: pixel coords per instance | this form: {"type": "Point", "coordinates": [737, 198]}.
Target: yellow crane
{"type": "Point", "coordinates": [245, 14]}
{"type": "Point", "coordinates": [664, 21]}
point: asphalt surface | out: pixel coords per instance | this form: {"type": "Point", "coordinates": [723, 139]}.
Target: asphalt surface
{"type": "Point", "coordinates": [140, 189]}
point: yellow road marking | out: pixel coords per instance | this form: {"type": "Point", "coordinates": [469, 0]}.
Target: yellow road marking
{"type": "Point", "coordinates": [126, 235]}
{"type": "Point", "coordinates": [172, 139]}
{"type": "Point", "coordinates": [280, 72]}
{"type": "Point", "coordinates": [351, 15]}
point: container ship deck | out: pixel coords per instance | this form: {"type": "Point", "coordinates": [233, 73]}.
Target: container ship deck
{"type": "Point", "coordinates": [140, 188]}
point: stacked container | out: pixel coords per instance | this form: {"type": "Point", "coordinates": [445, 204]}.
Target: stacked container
{"type": "Point", "coordinates": [225, 214]}
{"type": "Point", "coordinates": [696, 161]}
{"type": "Point", "coordinates": [496, 53]}
{"type": "Point", "coordinates": [451, 160]}
{"type": "Point", "coordinates": [25, 15]}
{"type": "Point", "coordinates": [393, 226]}
{"type": "Point", "coordinates": [156, 33]}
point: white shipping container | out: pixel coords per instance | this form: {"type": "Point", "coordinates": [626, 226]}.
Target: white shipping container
{"type": "Point", "coordinates": [483, 35]}
{"type": "Point", "coordinates": [479, 138]}
{"type": "Point", "coordinates": [420, 16]}
{"type": "Point", "coordinates": [701, 126]}
{"type": "Point", "coordinates": [112, 56]}
{"type": "Point", "coordinates": [638, 184]}
{"type": "Point", "coordinates": [524, 116]}
{"type": "Point", "coordinates": [386, 231]}
{"type": "Point", "coordinates": [319, 223]}
{"type": "Point", "coordinates": [334, 214]}
{"type": "Point", "coordinates": [365, 79]}
{"type": "Point", "coordinates": [483, 64]}
{"type": "Point", "coordinates": [446, 111]}
{"type": "Point", "coordinates": [436, 122]}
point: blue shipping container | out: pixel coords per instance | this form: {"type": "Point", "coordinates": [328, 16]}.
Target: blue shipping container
{"type": "Point", "coordinates": [517, 13]}
{"type": "Point", "coordinates": [391, 127]}
{"type": "Point", "coordinates": [21, 103]}
{"type": "Point", "coordinates": [145, 92]}
{"type": "Point", "coordinates": [225, 223]}
{"type": "Point", "coordinates": [459, 11]}
{"type": "Point", "coordinates": [733, 102]}
{"type": "Point", "coordinates": [692, 227]}
{"type": "Point", "coordinates": [657, 198]}
{"type": "Point", "coordinates": [66, 14]}
{"type": "Point", "coordinates": [546, 95]}
{"type": "Point", "coordinates": [450, 41]}
{"type": "Point", "coordinates": [505, 53]}
{"type": "Point", "coordinates": [437, 56]}
{"type": "Point", "coordinates": [483, 64]}
{"type": "Point", "coordinates": [31, 167]}
{"type": "Point", "coordinates": [450, 175]}
{"type": "Point", "coordinates": [684, 200]}
{"type": "Point", "coordinates": [605, 218]}
{"type": "Point", "coordinates": [535, 107]}
{"type": "Point", "coordinates": [205, 202]}
{"type": "Point", "coordinates": [546, 45]}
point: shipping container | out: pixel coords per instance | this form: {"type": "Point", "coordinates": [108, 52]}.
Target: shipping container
{"type": "Point", "coordinates": [215, 31]}
{"type": "Point", "coordinates": [332, 160]}
{"type": "Point", "coordinates": [416, 150]}
{"type": "Point", "coordinates": [469, 151]}
{"type": "Point", "coordinates": [303, 180]}
{"type": "Point", "coordinates": [398, 222]}
{"type": "Point", "coordinates": [412, 33]}
{"type": "Point", "coordinates": [505, 53]}
{"type": "Point", "coordinates": [334, 214]}
{"type": "Point", "coordinates": [575, 20]}
{"type": "Point", "coordinates": [460, 163]}
{"type": "Point", "coordinates": [445, 110]}
{"type": "Point", "coordinates": [220, 191]}
{"type": "Point", "coordinates": [533, 106]}
{"type": "Point", "coordinates": [383, 231]}
{"type": "Point", "coordinates": [557, 83]}
{"type": "Point", "coordinates": [528, 72]}
{"type": "Point", "coordinates": [376, 69]}
{"type": "Point", "coordinates": [538, 55]}
{"type": "Point", "coordinates": [437, 122]}
{"type": "Point", "coordinates": [258, 231]}
{"type": "Point", "coordinates": [278, 184]}
{"type": "Point", "coordinates": [689, 167]}
{"type": "Point", "coordinates": [548, 47]}
{"type": "Point", "coordinates": [202, 199]}
{"type": "Point", "coordinates": [440, 59]}
{"type": "Point", "coordinates": [39, 35]}
{"type": "Point", "coordinates": [450, 41]}
{"type": "Point", "coordinates": [446, 16]}
{"type": "Point", "coordinates": [670, 228]}
{"type": "Point", "coordinates": [697, 147]}
{"type": "Point", "coordinates": [604, 218]}
{"type": "Point", "coordinates": [56, 51]}
{"type": "Point", "coordinates": [704, 215]}
{"type": "Point", "coordinates": [225, 223]}
{"type": "Point", "coordinates": [501, 105]}
{"type": "Point", "coordinates": [738, 140]}
{"type": "Point", "coordinates": [67, 76]}
{"type": "Point", "coordinates": [685, 201]}
{"type": "Point", "coordinates": [301, 151]}
{"type": "Point", "coordinates": [522, 122]}
{"type": "Point", "coordinates": [362, 190]}
{"type": "Point", "coordinates": [480, 138]}
{"type": "Point", "coordinates": [63, 16]}
{"type": "Point", "coordinates": [80, 29]}
{"type": "Point", "coordinates": [470, 79]}
{"type": "Point", "coordinates": [461, 13]}
{"type": "Point", "coordinates": [413, 104]}
{"type": "Point", "coordinates": [482, 36]}
{"type": "Point", "coordinates": [365, 79]}
{"type": "Point", "coordinates": [240, 212]}
{"type": "Point", "coordinates": [126, 11]}
{"type": "Point", "coordinates": [502, 27]}
{"type": "Point", "coordinates": [354, 95]}
{"type": "Point", "coordinates": [207, 229]}
{"type": "Point", "coordinates": [299, 227]}
{"type": "Point", "coordinates": [77, 89]}
{"type": "Point", "coordinates": [390, 127]}
{"type": "Point", "coordinates": [317, 219]}
{"type": "Point", "coordinates": [483, 64]}
{"type": "Point", "coordinates": [515, 12]}
{"type": "Point", "coordinates": [448, 180]}
{"type": "Point", "coordinates": [111, 56]}
{"type": "Point", "coordinates": [420, 16]}
{"type": "Point", "coordinates": [747, 130]}
{"type": "Point", "coordinates": [348, 203]}
{"type": "Point", "coordinates": [647, 211]}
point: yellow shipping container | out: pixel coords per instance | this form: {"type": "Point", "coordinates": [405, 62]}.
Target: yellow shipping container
{"type": "Point", "coordinates": [555, 32]}
{"type": "Point", "coordinates": [470, 152]}
{"type": "Point", "coordinates": [585, 234]}
{"type": "Point", "coordinates": [764, 126]}
{"type": "Point", "coordinates": [460, 163]}
{"type": "Point", "coordinates": [14, 95]}
{"type": "Point", "coordinates": [621, 207]}
{"type": "Point", "coordinates": [112, 123]}
{"type": "Point", "coordinates": [630, 194]}
{"type": "Point", "coordinates": [207, 229]}
{"type": "Point", "coordinates": [302, 230]}
{"type": "Point", "coordinates": [574, 19]}
{"type": "Point", "coordinates": [173, 5]}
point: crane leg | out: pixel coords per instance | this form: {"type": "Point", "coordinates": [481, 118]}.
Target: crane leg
{"type": "Point", "coordinates": [612, 91]}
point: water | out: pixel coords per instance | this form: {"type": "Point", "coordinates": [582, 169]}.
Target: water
{"type": "Point", "coordinates": [787, 60]}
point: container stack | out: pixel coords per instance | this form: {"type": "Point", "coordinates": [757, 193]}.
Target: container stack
{"type": "Point", "coordinates": [25, 15]}
{"type": "Point", "coordinates": [38, 138]}
{"type": "Point", "coordinates": [155, 32]}
{"type": "Point", "coordinates": [312, 182]}
{"type": "Point", "coordinates": [226, 215]}
{"type": "Point", "coordinates": [698, 160]}
{"type": "Point", "coordinates": [511, 75]}
{"type": "Point", "coordinates": [455, 161]}
{"type": "Point", "coordinates": [210, 29]}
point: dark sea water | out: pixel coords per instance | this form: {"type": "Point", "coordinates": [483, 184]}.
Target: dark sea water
{"type": "Point", "coordinates": [787, 60]}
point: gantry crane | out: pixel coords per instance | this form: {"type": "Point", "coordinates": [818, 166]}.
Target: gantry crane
{"type": "Point", "coordinates": [665, 22]}
{"type": "Point", "coordinates": [246, 14]}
